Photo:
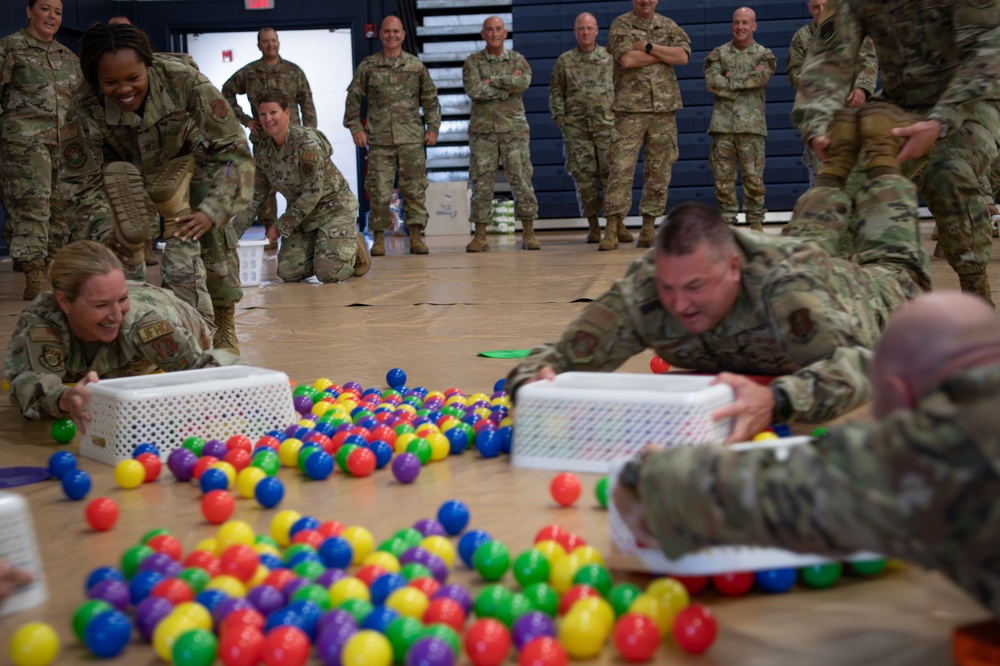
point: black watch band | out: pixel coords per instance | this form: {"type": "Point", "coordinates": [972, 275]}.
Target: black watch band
{"type": "Point", "coordinates": [649, 47]}
{"type": "Point", "coordinates": [782, 407]}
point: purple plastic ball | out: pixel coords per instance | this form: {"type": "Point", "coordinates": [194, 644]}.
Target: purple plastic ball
{"type": "Point", "coordinates": [406, 467]}
{"type": "Point", "coordinates": [354, 385]}
{"type": "Point", "coordinates": [115, 592]}
{"type": "Point", "coordinates": [303, 404]}
{"type": "Point", "coordinates": [421, 556]}
{"type": "Point", "coordinates": [148, 614]}
{"type": "Point", "coordinates": [430, 527]}
{"type": "Point", "coordinates": [293, 586]}
{"type": "Point", "coordinates": [292, 429]}
{"type": "Point", "coordinates": [215, 448]}
{"type": "Point", "coordinates": [430, 652]}
{"type": "Point", "coordinates": [227, 607]}
{"type": "Point", "coordinates": [331, 640]}
{"type": "Point", "coordinates": [530, 626]}
{"type": "Point", "coordinates": [335, 618]}
{"type": "Point", "coordinates": [266, 599]}
{"type": "Point", "coordinates": [181, 463]}
{"type": "Point", "coordinates": [456, 593]}
{"type": "Point", "coordinates": [161, 563]}
{"type": "Point", "coordinates": [330, 576]}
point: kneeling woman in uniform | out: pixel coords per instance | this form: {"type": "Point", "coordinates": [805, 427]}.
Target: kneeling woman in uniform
{"type": "Point", "coordinates": [94, 324]}
{"type": "Point", "coordinates": [319, 227]}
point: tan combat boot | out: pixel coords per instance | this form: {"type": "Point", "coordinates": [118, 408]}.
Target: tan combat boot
{"type": "Point", "coordinates": [225, 329]}
{"type": "Point", "coordinates": [756, 222]}
{"type": "Point", "coordinates": [378, 244]}
{"type": "Point", "coordinates": [594, 234]}
{"type": "Point", "coordinates": [842, 153]}
{"type": "Point", "coordinates": [648, 231]}
{"type": "Point", "coordinates": [417, 245]}
{"type": "Point", "coordinates": [623, 234]}
{"type": "Point", "coordinates": [169, 188]}
{"type": "Point", "coordinates": [479, 242]}
{"type": "Point", "coordinates": [132, 212]}
{"type": "Point", "coordinates": [610, 241]}
{"type": "Point", "coordinates": [362, 262]}
{"type": "Point", "coordinates": [977, 283]}
{"type": "Point", "coordinates": [150, 258]}
{"type": "Point", "coordinates": [875, 124]}
{"type": "Point", "coordinates": [528, 240]}
{"type": "Point", "coordinates": [36, 280]}
{"type": "Point", "coordinates": [934, 232]}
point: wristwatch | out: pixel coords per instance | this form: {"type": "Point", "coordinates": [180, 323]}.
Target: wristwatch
{"type": "Point", "coordinates": [782, 407]}
{"type": "Point", "coordinates": [649, 47]}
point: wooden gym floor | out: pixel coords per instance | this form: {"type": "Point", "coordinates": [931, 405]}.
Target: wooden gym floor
{"type": "Point", "coordinates": [430, 315]}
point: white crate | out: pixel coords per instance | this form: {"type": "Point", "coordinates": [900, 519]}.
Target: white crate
{"type": "Point", "coordinates": [583, 421]}
{"type": "Point", "coordinates": [251, 262]}
{"type": "Point", "coordinates": [627, 555]}
{"type": "Point", "coordinates": [19, 549]}
{"type": "Point", "coordinates": [164, 409]}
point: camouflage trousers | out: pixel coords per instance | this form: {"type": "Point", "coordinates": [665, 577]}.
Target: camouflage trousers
{"type": "Point", "coordinates": [485, 154]}
{"type": "Point", "coordinates": [748, 150]}
{"type": "Point", "coordinates": [383, 161]}
{"type": "Point", "coordinates": [658, 131]}
{"type": "Point", "coordinates": [36, 226]}
{"type": "Point", "coordinates": [327, 250]}
{"type": "Point", "coordinates": [811, 163]}
{"type": "Point", "coordinates": [891, 265]}
{"type": "Point", "coordinates": [586, 154]}
{"type": "Point", "coordinates": [269, 211]}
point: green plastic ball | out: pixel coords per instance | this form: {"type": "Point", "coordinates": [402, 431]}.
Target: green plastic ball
{"type": "Point", "coordinates": [421, 448]}
{"type": "Point", "coordinates": [359, 608]}
{"type": "Point", "coordinates": [444, 633]}
{"type": "Point", "coordinates": [601, 492]}
{"type": "Point", "coordinates": [821, 575]}
{"type": "Point", "coordinates": [491, 560]}
{"type": "Point", "coordinates": [819, 432]}
{"type": "Point", "coordinates": [195, 577]}
{"type": "Point", "coordinates": [413, 571]}
{"type": "Point", "coordinates": [395, 546]}
{"type": "Point", "coordinates": [489, 599]}
{"type": "Point", "coordinates": [196, 647]}
{"type": "Point", "coordinates": [403, 428]}
{"type": "Point", "coordinates": [132, 558]}
{"type": "Point", "coordinates": [621, 597]}
{"type": "Point", "coordinates": [297, 548]}
{"type": "Point", "coordinates": [342, 453]}
{"type": "Point", "coordinates": [309, 569]}
{"type": "Point", "coordinates": [86, 612]}
{"type": "Point", "coordinates": [265, 539]}
{"type": "Point", "coordinates": [402, 633]}
{"type": "Point", "coordinates": [531, 566]}
{"type": "Point", "coordinates": [513, 607]}
{"type": "Point", "coordinates": [314, 593]}
{"type": "Point", "coordinates": [159, 531]}
{"type": "Point", "coordinates": [410, 536]}
{"type": "Point", "coordinates": [194, 445]}
{"type": "Point", "coordinates": [63, 430]}
{"type": "Point", "coordinates": [543, 598]}
{"type": "Point", "coordinates": [267, 460]}
{"type": "Point", "coordinates": [595, 576]}
{"type": "Point", "coordinates": [870, 567]}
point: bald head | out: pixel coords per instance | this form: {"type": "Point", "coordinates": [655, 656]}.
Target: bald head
{"type": "Point", "coordinates": [744, 26]}
{"type": "Point", "coordinates": [119, 20]}
{"type": "Point", "coordinates": [392, 36]}
{"type": "Point", "coordinates": [493, 34]}
{"type": "Point", "coordinates": [928, 340]}
{"type": "Point", "coordinates": [585, 30]}
{"type": "Point", "coordinates": [392, 22]}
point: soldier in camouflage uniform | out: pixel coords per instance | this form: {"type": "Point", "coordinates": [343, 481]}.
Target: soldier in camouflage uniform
{"type": "Point", "coordinates": [37, 79]}
{"type": "Point", "coordinates": [737, 73]}
{"type": "Point", "coordinates": [865, 73]}
{"type": "Point", "coordinates": [939, 74]}
{"type": "Point", "coordinates": [271, 72]}
{"type": "Point", "coordinates": [581, 90]}
{"type": "Point", "coordinates": [921, 484]}
{"type": "Point", "coordinates": [396, 85]}
{"type": "Point", "coordinates": [319, 226]}
{"type": "Point", "coordinates": [711, 298]}
{"type": "Point", "coordinates": [646, 46]}
{"type": "Point", "coordinates": [182, 115]}
{"type": "Point", "coordinates": [72, 335]}
{"type": "Point", "coordinates": [494, 80]}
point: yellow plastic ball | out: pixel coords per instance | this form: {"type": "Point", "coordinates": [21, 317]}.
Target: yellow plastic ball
{"type": "Point", "coordinates": [588, 555]}
{"type": "Point", "coordinates": [228, 585]}
{"type": "Point", "coordinates": [478, 397]}
{"type": "Point", "coordinates": [425, 429]}
{"type": "Point", "coordinates": [674, 595]}
{"type": "Point", "coordinates": [281, 525]}
{"type": "Point", "coordinates": [647, 604]}
{"type": "Point", "coordinates": [321, 408]}
{"type": "Point", "coordinates": [449, 423]}
{"type": "Point", "coordinates": [367, 648]}
{"type": "Point", "coordinates": [233, 533]}
{"type": "Point", "coordinates": [600, 608]}
{"type": "Point", "coordinates": [322, 384]}
{"type": "Point", "coordinates": [562, 570]}
{"type": "Point", "coordinates": [345, 397]}
{"type": "Point", "coordinates": [456, 400]}
{"type": "Point", "coordinates": [434, 395]}
{"type": "Point", "coordinates": [407, 407]}
{"type": "Point", "coordinates": [167, 632]}
{"type": "Point", "coordinates": [764, 436]}
{"type": "Point", "coordinates": [408, 601]}
{"type": "Point", "coordinates": [194, 612]}
{"type": "Point", "coordinates": [306, 423]}
{"type": "Point", "coordinates": [403, 440]}
{"type": "Point", "coordinates": [348, 588]}
{"type": "Point", "coordinates": [503, 401]}
{"type": "Point", "coordinates": [288, 452]}
{"type": "Point", "coordinates": [582, 633]}
{"type": "Point", "coordinates": [34, 644]}
{"type": "Point", "coordinates": [506, 422]}
{"type": "Point", "coordinates": [258, 577]}
{"type": "Point", "coordinates": [361, 540]}
{"type": "Point", "coordinates": [380, 558]}
{"type": "Point", "coordinates": [247, 480]}
{"type": "Point", "coordinates": [552, 550]}
{"type": "Point", "coordinates": [208, 545]}
{"type": "Point", "coordinates": [228, 469]}
{"type": "Point", "coordinates": [483, 413]}
{"type": "Point", "coordinates": [440, 446]}
{"type": "Point", "coordinates": [440, 547]}
{"type": "Point", "coordinates": [130, 474]}
{"type": "Point", "coordinates": [263, 548]}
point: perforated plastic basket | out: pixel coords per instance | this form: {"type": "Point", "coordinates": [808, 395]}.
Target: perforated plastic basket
{"type": "Point", "coordinates": [583, 421]}
{"type": "Point", "coordinates": [19, 549]}
{"type": "Point", "coordinates": [251, 254]}
{"type": "Point", "coordinates": [165, 409]}
{"type": "Point", "coordinates": [626, 554]}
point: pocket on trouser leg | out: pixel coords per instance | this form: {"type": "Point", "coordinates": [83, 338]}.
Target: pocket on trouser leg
{"type": "Point", "coordinates": [334, 255]}
{"type": "Point", "coordinates": [222, 265]}
{"type": "Point", "coordinates": [184, 274]}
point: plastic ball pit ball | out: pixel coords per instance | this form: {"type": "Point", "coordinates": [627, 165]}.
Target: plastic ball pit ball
{"type": "Point", "coordinates": [101, 514]}
{"type": "Point", "coordinates": [217, 506]}
{"type": "Point", "coordinates": [76, 484]}
{"type": "Point", "coordinates": [565, 488]}
{"type": "Point", "coordinates": [395, 378]}
{"type": "Point", "coordinates": [63, 430]}
{"type": "Point", "coordinates": [658, 366]}
{"type": "Point", "coordinates": [60, 463]}
{"type": "Point", "coordinates": [695, 628]}
{"type": "Point", "coordinates": [406, 468]}
{"type": "Point", "coordinates": [34, 644]}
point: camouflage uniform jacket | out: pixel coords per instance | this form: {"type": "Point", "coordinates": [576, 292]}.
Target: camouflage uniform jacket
{"type": "Point", "coordinates": [582, 88]}
{"type": "Point", "coordinates": [37, 80]}
{"type": "Point", "coordinates": [801, 313]}
{"type": "Point", "coordinates": [865, 73]}
{"type": "Point", "coordinates": [303, 171]}
{"type": "Point", "coordinates": [159, 332]}
{"type": "Point", "coordinates": [258, 77]}
{"type": "Point", "coordinates": [396, 89]}
{"type": "Point", "coordinates": [938, 60]}
{"type": "Point", "coordinates": [653, 88]}
{"type": "Point", "coordinates": [739, 97]}
{"type": "Point", "coordinates": [496, 103]}
{"type": "Point", "coordinates": [183, 114]}
{"type": "Point", "coordinates": [920, 485]}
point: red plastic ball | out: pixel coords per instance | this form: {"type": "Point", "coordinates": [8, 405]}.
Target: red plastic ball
{"type": "Point", "coordinates": [636, 637]}
{"type": "Point", "coordinates": [203, 463]}
{"type": "Point", "coordinates": [239, 561]}
{"type": "Point", "coordinates": [487, 642]}
{"type": "Point", "coordinates": [242, 647]}
{"type": "Point", "coordinates": [338, 440]}
{"type": "Point", "coordinates": [217, 506]}
{"type": "Point", "coordinates": [239, 442]}
{"type": "Point", "coordinates": [285, 646]}
{"type": "Point", "coordinates": [267, 441]}
{"type": "Point", "coordinates": [278, 578]}
{"type": "Point", "coordinates": [445, 611]}
{"type": "Point", "coordinates": [565, 488]}
{"type": "Point", "coordinates": [167, 544]}
{"type": "Point", "coordinates": [384, 433]}
{"type": "Point", "coordinates": [322, 441]}
{"type": "Point", "coordinates": [695, 628]}
{"type": "Point", "coordinates": [428, 586]}
{"type": "Point", "coordinates": [361, 462]}
{"type": "Point", "coordinates": [369, 573]}
{"type": "Point", "coordinates": [574, 594]}
{"type": "Point", "coordinates": [543, 651]}
{"type": "Point", "coordinates": [364, 432]}
{"type": "Point", "coordinates": [331, 528]}
{"type": "Point", "coordinates": [174, 590]}
{"type": "Point", "coordinates": [570, 541]}
{"type": "Point", "coordinates": [309, 537]}
{"type": "Point", "coordinates": [693, 584]}
{"type": "Point", "coordinates": [549, 533]}
{"type": "Point", "coordinates": [202, 559]}
{"type": "Point", "coordinates": [244, 617]}
{"type": "Point", "coordinates": [102, 514]}
{"type": "Point", "coordinates": [658, 366]}
{"type": "Point", "coordinates": [733, 584]}
{"type": "Point", "coordinates": [151, 463]}
{"type": "Point", "coordinates": [238, 458]}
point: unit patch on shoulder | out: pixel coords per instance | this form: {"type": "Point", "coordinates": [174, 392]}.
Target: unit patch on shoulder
{"type": "Point", "coordinates": [166, 348]}
{"type": "Point", "coordinates": [309, 162]}
{"type": "Point", "coordinates": [801, 324]}
{"type": "Point", "coordinates": [74, 156]}
{"type": "Point", "coordinates": [155, 330]}
{"type": "Point", "coordinates": [584, 344]}
{"type": "Point", "coordinates": [51, 357]}
{"type": "Point", "coordinates": [220, 110]}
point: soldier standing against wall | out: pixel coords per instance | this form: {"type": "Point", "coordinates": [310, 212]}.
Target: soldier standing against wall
{"type": "Point", "coordinates": [396, 85]}
{"type": "Point", "coordinates": [646, 46]}
{"type": "Point", "coordinates": [494, 80]}
{"type": "Point", "coordinates": [581, 90]}
{"type": "Point", "coordinates": [271, 72]}
{"type": "Point", "coordinates": [737, 74]}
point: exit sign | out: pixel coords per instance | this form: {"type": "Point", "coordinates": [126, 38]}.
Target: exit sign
{"type": "Point", "coordinates": [259, 4]}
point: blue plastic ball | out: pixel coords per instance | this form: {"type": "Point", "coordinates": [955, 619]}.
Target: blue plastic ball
{"type": "Point", "coordinates": [385, 585]}
{"type": "Point", "coordinates": [302, 556]}
{"type": "Point", "coordinates": [269, 492]}
{"type": "Point", "coordinates": [776, 581]}
{"type": "Point", "coordinates": [210, 599]}
{"type": "Point", "coordinates": [319, 465]}
{"type": "Point", "coordinates": [103, 573]}
{"type": "Point", "coordinates": [453, 516]}
{"type": "Point", "coordinates": [499, 385]}
{"type": "Point", "coordinates": [506, 437]}
{"type": "Point", "coordinates": [146, 448]}
{"type": "Point", "coordinates": [277, 434]}
{"type": "Point", "coordinates": [61, 462]}
{"type": "Point", "coordinates": [213, 479]}
{"type": "Point", "coordinates": [271, 561]}
{"type": "Point", "coordinates": [142, 584]}
{"type": "Point", "coordinates": [379, 619]}
{"type": "Point", "coordinates": [107, 634]}
{"type": "Point", "coordinates": [356, 440]}
{"type": "Point", "coordinates": [468, 544]}
{"type": "Point", "coordinates": [76, 484]}
{"type": "Point", "coordinates": [284, 617]}
{"type": "Point", "coordinates": [383, 452]}
{"type": "Point", "coordinates": [303, 523]}
{"type": "Point", "coordinates": [396, 379]}
{"type": "Point", "coordinates": [782, 430]}
{"type": "Point", "coordinates": [488, 444]}
{"type": "Point", "coordinates": [458, 441]}
{"type": "Point", "coordinates": [325, 428]}
{"type": "Point", "coordinates": [336, 553]}
{"type": "Point", "coordinates": [309, 614]}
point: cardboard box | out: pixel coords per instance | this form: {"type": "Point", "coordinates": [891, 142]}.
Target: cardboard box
{"type": "Point", "coordinates": [448, 209]}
